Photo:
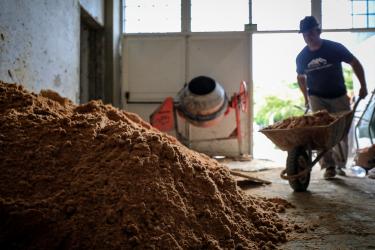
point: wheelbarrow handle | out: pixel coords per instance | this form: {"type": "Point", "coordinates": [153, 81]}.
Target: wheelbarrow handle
{"type": "Point", "coordinates": [351, 117]}
{"type": "Point", "coordinates": [307, 108]}
{"type": "Point", "coordinates": [356, 104]}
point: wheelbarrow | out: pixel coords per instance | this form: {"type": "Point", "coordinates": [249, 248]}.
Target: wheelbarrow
{"type": "Point", "coordinates": [302, 142]}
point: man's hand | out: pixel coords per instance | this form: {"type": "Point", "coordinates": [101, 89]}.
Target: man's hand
{"type": "Point", "coordinates": [362, 92]}
{"type": "Point", "coordinates": [360, 73]}
{"type": "Point", "coordinates": [301, 80]}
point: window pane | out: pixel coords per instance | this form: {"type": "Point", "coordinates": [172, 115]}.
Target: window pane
{"type": "Point", "coordinates": [350, 14]}
{"type": "Point", "coordinates": [336, 14]}
{"type": "Point", "coordinates": [371, 7]}
{"type": "Point", "coordinates": [371, 21]}
{"type": "Point", "coordinates": [280, 15]}
{"type": "Point", "coordinates": [149, 16]}
{"type": "Point", "coordinates": [359, 21]}
{"type": "Point", "coordinates": [224, 15]}
{"type": "Point", "coordinates": [359, 7]}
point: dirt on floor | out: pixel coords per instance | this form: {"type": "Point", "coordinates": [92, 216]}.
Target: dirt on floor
{"type": "Point", "coordinates": [337, 213]}
{"type": "Point", "coordinates": [94, 177]}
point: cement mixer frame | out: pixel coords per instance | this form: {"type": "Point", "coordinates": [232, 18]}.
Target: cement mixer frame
{"type": "Point", "coordinates": [165, 118]}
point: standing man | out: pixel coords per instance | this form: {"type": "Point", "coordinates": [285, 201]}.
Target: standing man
{"type": "Point", "coordinates": [321, 81]}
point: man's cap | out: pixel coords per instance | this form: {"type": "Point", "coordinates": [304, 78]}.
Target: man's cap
{"type": "Point", "coordinates": [308, 23]}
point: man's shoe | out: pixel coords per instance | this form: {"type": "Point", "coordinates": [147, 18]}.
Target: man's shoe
{"type": "Point", "coordinates": [371, 173]}
{"type": "Point", "coordinates": [329, 173]}
{"type": "Point", "coordinates": [340, 172]}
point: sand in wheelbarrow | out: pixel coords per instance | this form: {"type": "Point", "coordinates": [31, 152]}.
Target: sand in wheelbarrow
{"type": "Point", "coordinates": [94, 177]}
{"type": "Point", "coordinates": [319, 118]}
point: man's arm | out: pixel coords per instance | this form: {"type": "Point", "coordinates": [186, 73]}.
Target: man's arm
{"type": "Point", "coordinates": [360, 73]}
{"type": "Point", "coordinates": [301, 79]}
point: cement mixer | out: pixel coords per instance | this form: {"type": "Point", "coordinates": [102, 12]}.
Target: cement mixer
{"type": "Point", "coordinates": [203, 103]}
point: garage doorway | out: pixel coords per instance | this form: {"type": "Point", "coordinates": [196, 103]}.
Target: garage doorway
{"type": "Point", "coordinates": [276, 90]}
{"type": "Point", "coordinates": [91, 59]}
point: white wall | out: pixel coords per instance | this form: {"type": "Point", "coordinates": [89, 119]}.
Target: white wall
{"type": "Point", "coordinates": [39, 44]}
{"type": "Point", "coordinates": [366, 54]}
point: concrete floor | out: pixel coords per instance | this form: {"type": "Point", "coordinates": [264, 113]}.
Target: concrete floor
{"type": "Point", "coordinates": [340, 213]}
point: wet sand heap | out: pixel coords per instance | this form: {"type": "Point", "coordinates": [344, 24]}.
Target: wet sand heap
{"type": "Point", "coordinates": [94, 177]}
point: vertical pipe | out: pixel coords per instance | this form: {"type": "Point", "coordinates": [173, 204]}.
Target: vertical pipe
{"type": "Point", "coordinates": [250, 11]}
{"type": "Point", "coordinates": [250, 84]}
{"type": "Point", "coordinates": [251, 96]}
{"type": "Point", "coordinates": [316, 10]}
{"type": "Point", "coordinates": [185, 16]}
{"type": "Point", "coordinates": [186, 28]}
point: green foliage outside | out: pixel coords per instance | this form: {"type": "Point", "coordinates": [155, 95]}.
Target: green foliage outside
{"type": "Point", "coordinates": [348, 77]}
{"type": "Point", "coordinates": [276, 108]}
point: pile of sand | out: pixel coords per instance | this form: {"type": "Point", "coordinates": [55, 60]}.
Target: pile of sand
{"type": "Point", "coordinates": [319, 118]}
{"type": "Point", "coordinates": [95, 177]}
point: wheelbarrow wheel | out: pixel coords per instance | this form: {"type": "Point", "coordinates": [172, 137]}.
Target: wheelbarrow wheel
{"type": "Point", "coordinates": [297, 161]}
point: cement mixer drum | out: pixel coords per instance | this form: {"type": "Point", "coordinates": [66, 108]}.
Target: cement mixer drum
{"type": "Point", "coordinates": [202, 101]}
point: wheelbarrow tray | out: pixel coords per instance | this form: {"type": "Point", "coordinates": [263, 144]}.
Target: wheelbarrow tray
{"type": "Point", "coordinates": [313, 137]}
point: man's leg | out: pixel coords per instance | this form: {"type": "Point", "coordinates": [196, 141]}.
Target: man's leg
{"type": "Point", "coordinates": [341, 155]}
{"type": "Point", "coordinates": [338, 105]}
{"type": "Point", "coordinates": [327, 161]}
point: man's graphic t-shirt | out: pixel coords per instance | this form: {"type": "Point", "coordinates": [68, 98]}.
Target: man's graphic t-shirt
{"type": "Point", "coordinates": [323, 69]}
